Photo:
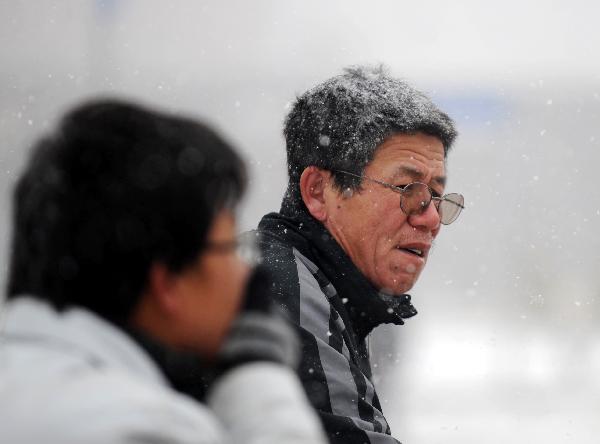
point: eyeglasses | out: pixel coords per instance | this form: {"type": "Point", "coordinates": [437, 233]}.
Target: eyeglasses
{"type": "Point", "coordinates": [416, 197]}
{"type": "Point", "coordinates": [244, 246]}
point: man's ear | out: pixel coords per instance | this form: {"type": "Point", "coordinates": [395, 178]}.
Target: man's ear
{"type": "Point", "coordinates": [312, 188]}
{"type": "Point", "coordinates": [161, 289]}
{"type": "Point", "coordinates": [159, 310]}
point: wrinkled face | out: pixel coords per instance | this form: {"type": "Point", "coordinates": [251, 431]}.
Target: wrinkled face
{"type": "Point", "coordinates": [389, 247]}
{"type": "Point", "coordinates": [211, 289]}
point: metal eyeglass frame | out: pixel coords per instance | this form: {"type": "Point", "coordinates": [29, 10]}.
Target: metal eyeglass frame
{"type": "Point", "coordinates": [400, 190]}
{"type": "Point", "coordinates": [244, 246]}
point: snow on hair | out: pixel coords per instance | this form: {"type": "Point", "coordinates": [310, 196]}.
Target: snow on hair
{"type": "Point", "coordinates": [339, 123]}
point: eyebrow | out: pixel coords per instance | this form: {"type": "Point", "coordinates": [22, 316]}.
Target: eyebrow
{"type": "Point", "coordinates": [417, 175]}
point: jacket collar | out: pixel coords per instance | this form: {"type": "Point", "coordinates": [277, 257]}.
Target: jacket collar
{"type": "Point", "coordinates": [366, 306]}
{"type": "Point", "coordinates": [83, 332]}
{"type": "Point", "coordinates": [79, 331]}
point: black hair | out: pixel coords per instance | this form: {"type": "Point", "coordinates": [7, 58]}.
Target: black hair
{"type": "Point", "coordinates": [339, 124]}
{"type": "Point", "coordinates": [116, 188]}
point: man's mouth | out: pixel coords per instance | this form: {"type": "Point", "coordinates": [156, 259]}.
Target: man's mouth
{"type": "Point", "coordinates": [413, 250]}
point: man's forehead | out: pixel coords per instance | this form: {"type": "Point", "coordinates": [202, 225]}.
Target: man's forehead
{"type": "Point", "coordinates": [417, 174]}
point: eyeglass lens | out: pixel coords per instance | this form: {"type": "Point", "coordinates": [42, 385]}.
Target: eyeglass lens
{"type": "Point", "coordinates": [416, 197]}
{"type": "Point", "coordinates": [450, 207]}
{"type": "Point", "coordinates": [248, 249]}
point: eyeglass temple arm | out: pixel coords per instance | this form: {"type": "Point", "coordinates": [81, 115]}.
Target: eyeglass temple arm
{"type": "Point", "coordinates": [387, 185]}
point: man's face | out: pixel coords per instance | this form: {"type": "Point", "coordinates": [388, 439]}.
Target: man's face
{"type": "Point", "coordinates": [211, 289]}
{"type": "Point", "coordinates": [369, 223]}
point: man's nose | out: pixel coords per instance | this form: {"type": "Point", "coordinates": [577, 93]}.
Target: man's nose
{"type": "Point", "coordinates": [428, 219]}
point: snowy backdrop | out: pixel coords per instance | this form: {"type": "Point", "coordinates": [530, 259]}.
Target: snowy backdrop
{"type": "Point", "coordinates": [506, 347]}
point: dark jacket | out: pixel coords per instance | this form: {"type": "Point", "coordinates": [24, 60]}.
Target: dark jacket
{"type": "Point", "coordinates": [335, 308]}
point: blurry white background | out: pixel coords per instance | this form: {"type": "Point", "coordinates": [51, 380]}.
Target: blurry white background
{"type": "Point", "coordinates": [506, 347]}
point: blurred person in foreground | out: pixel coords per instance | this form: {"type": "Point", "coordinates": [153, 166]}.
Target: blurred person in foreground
{"type": "Point", "coordinates": [127, 303]}
{"type": "Point", "coordinates": [366, 156]}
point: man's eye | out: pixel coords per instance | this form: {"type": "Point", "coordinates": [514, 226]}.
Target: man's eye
{"type": "Point", "coordinates": [434, 193]}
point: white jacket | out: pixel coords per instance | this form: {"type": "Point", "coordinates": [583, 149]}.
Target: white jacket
{"type": "Point", "coordinates": [73, 378]}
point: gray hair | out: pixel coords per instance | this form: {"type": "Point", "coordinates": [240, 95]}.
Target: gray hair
{"type": "Point", "coordinates": [338, 124]}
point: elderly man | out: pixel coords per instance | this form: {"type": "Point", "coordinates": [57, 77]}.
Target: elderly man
{"type": "Point", "coordinates": [366, 158]}
{"type": "Point", "coordinates": [127, 298]}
